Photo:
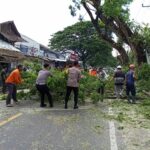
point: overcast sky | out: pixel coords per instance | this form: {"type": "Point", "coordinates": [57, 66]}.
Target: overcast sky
{"type": "Point", "coordinates": [38, 19]}
{"type": "Point", "coordinates": [139, 13]}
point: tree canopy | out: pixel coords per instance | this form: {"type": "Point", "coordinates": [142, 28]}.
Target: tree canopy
{"type": "Point", "coordinates": [83, 39]}
{"type": "Point", "coordinates": [114, 14]}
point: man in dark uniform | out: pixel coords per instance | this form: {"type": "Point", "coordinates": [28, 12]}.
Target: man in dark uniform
{"type": "Point", "coordinates": [130, 84]}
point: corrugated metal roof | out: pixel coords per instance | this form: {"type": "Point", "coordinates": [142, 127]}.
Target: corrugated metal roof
{"type": "Point", "coordinates": [7, 46]}
{"type": "Point", "coordinates": [9, 32]}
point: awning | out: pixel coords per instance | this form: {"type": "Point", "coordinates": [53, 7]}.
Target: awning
{"type": "Point", "coordinates": [9, 53]}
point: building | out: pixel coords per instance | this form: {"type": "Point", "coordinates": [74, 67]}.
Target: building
{"type": "Point", "coordinates": [33, 49]}
{"type": "Point", "coordinates": [29, 46]}
{"type": "Point", "coordinates": [9, 34]}
{"type": "Point", "coordinates": [9, 55]}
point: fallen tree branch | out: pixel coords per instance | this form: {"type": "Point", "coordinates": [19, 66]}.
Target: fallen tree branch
{"type": "Point", "coordinates": [145, 92]}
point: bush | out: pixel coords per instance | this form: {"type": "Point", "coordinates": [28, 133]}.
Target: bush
{"type": "Point", "coordinates": [144, 72]}
{"type": "Point", "coordinates": [144, 77]}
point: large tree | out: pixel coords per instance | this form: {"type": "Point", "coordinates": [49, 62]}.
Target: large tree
{"type": "Point", "coordinates": [83, 39]}
{"type": "Point", "coordinates": [114, 14]}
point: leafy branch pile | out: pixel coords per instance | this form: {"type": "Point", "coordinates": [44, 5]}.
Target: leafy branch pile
{"type": "Point", "coordinates": [57, 84]}
{"type": "Point", "coordinates": [87, 88]}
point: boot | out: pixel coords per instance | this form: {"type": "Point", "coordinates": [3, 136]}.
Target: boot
{"type": "Point", "coordinates": [133, 100]}
{"type": "Point", "coordinates": [50, 104]}
{"type": "Point", "coordinates": [129, 99]}
{"type": "Point", "coordinates": [75, 106]}
{"type": "Point", "coordinates": [43, 105]}
{"type": "Point", "coordinates": [66, 106]}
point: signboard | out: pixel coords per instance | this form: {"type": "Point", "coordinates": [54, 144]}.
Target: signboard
{"type": "Point", "coordinates": [32, 51]}
{"type": "Point", "coordinates": [24, 48]}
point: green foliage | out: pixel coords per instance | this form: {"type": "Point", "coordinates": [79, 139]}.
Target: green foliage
{"type": "Point", "coordinates": [87, 88]}
{"type": "Point", "coordinates": [144, 72]}
{"type": "Point", "coordinates": [136, 115]}
{"type": "Point", "coordinates": [2, 97]}
{"type": "Point", "coordinates": [144, 36]}
{"type": "Point", "coordinates": [145, 108]}
{"type": "Point", "coordinates": [144, 77]}
{"type": "Point", "coordinates": [114, 15]}
{"type": "Point", "coordinates": [82, 38]}
{"type": "Point", "coordinates": [22, 95]}
{"type": "Point", "coordinates": [110, 7]}
{"type": "Point", "coordinates": [120, 117]}
{"type": "Point", "coordinates": [110, 84]}
{"type": "Point", "coordinates": [116, 8]}
{"type": "Point", "coordinates": [29, 79]}
{"type": "Point", "coordinates": [95, 97]}
{"type": "Point", "coordinates": [57, 84]}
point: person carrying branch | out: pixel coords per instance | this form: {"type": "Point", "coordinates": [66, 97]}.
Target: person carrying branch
{"type": "Point", "coordinates": [74, 75]}
{"type": "Point", "coordinates": [42, 86]}
{"type": "Point", "coordinates": [12, 81]}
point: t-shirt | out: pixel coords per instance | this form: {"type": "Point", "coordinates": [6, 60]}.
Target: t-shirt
{"type": "Point", "coordinates": [119, 77]}
{"type": "Point", "coordinates": [14, 77]}
{"type": "Point", "coordinates": [42, 77]}
{"type": "Point", "coordinates": [74, 75]}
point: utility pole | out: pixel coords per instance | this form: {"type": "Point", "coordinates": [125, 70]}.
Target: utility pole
{"type": "Point", "coordinates": [147, 51]}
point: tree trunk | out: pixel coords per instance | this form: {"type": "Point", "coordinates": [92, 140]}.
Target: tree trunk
{"type": "Point", "coordinates": [120, 28]}
{"type": "Point", "coordinates": [123, 54]}
{"type": "Point", "coordinates": [140, 56]}
{"type": "Point", "coordinates": [106, 37]}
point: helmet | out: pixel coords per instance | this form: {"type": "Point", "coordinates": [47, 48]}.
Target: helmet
{"type": "Point", "coordinates": [119, 67]}
{"type": "Point", "coordinates": [132, 66]}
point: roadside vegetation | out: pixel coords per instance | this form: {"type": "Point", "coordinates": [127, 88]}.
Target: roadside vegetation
{"type": "Point", "coordinates": [88, 91]}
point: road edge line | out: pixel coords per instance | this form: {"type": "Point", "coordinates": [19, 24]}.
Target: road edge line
{"type": "Point", "coordinates": [2, 123]}
{"type": "Point", "coordinates": [112, 132]}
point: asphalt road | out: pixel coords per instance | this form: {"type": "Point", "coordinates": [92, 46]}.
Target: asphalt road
{"type": "Point", "coordinates": [28, 127]}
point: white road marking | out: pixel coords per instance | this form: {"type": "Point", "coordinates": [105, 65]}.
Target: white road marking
{"type": "Point", "coordinates": [112, 133]}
